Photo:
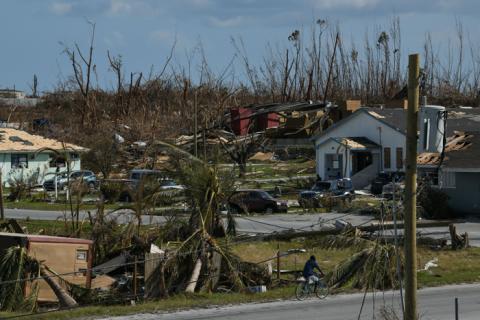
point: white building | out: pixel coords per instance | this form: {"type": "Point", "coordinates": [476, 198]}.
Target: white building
{"type": "Point", "coordinates": [11, 93]}
{"type": "Point", "coordinates": [373, 140]}
{"type": "Point", "coordinates": [23, 155]}
{"type": "Point", "coordinates": [362, 145]}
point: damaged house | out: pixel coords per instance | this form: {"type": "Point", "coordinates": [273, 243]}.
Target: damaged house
{"type": "Point", "coordinates": [23, 155]}
{"type": "Point", "coordinates": [360, 146]}
{"type": "Point", "coordinates": [372, 140]}
{"type": "Point", "coordinates": [69, 257]}
{"type": "Point", "coordinates": [455, 169]}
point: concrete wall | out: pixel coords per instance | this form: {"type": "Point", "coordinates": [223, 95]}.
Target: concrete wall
{"type": "Point", "coordinates": [362, 125]}
{"type": "Point", "coordinates": [465, 197]}
{"type": "Point", "coordinates": [331, 147]}
{"type": "Point", "coordinates": [36, 163]}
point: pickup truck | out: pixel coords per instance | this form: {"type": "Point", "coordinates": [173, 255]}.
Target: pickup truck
{"type": "Point", "coordinates": [337, 188]}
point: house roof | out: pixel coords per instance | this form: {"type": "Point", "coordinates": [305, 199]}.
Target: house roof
{"type": "Point", "coordinates": [14, 140]}
{"type": "Point", "coordinates": [43, 238]}
{"type": "Point", "coordinates": [386, 116]}
{"type": "Point", "coordinates": [461, 151]}
{"type": "Point", "coordinates": [394, 117]}
{"type": "Point", "coordinates": [357, 143]}
{"type": "Point", "coordinates": [458, 119]}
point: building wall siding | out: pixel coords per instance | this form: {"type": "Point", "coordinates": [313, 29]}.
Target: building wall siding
{"type": "Point", "coordinates": [36, 163]}
{"type": "Point", "coordinates": [464, 198]}
{"type": "Point", "coordinates": [363, 125]}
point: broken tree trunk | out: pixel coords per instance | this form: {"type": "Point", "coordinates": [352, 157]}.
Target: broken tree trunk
{"type": "Point", "coordinates": [291, 234]}
{"type": "Point", "coordinates": [65, 300]}
{"type": "Point", "coordinates": [458, 241]}
{"type": "Point", "coordinates": [195, 274]}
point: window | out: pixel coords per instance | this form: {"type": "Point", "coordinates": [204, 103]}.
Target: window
{"type": "Point", "coordinates": [335, 164]}
{"type": "Point", "coordinates": [82, 255]}
{"type": "Point", "coordinates": [19, 160]}
{"type": "Point", "coordinates": [58, 162]}
{"type": "Point", "coordinates": [386, 158]}
{"type": "Point", "coordinates": [448, 180]}
{"type": "Point", "coordinates": [400, 158]}
{"type": "Point", "coordinates": [426, 133]}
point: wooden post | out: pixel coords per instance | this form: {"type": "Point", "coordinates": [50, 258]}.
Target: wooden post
{"type": "Point", "coordinates": [411, 190]}
{"type": "Point", "coordinates": [2, 212]}
{"type": "Point", "coordinates": [135, 272]}
{"type": "Point", "coordinates": [278, 261]}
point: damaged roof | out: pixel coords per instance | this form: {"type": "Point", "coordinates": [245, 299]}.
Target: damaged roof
{"type": "Point", "coordinates": [458, 119]}
{"type": "Point", "coordinates": [14, 140]}
{"type": "Point", "coordinates": [357, 143]}
{"type": "Point", "coordinates": [461, 151]}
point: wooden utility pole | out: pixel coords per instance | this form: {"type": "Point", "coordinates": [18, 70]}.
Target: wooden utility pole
{"type": "Point", "coordinates": [411, 190]}
{"type": "Point", "coordinates": [135, 274]}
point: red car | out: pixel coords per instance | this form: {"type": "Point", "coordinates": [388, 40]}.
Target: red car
{"type": "Point", "coordinates": [255, 200]}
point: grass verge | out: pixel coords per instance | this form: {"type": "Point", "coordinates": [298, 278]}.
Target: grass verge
{"type": "Point", "coordinates": [454, 267]}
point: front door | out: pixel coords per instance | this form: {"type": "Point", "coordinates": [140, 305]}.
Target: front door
{"type": "Point", "coordinates": [333, 166]}
{"type": "Point", "coordinates": [361, 160]}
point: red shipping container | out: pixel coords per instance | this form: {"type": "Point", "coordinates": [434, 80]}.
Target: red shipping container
{"type": "Point", "coordinates": [240, 120]}
{"type": "Point", "coordinates": [267, 120]}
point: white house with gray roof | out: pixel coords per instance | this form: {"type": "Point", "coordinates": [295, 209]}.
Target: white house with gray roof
{"type": "Point", "coordinates": [362, 145]}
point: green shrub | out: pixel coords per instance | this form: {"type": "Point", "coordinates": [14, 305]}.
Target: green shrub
{"type": "Point", "coordinates": [434, 203]}
{"type": "Point", "coordinates": [111, 190]}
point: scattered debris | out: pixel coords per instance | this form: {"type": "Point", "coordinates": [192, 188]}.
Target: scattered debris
{"type": "Point", "coordinates": [260, 156]}
{"type": "Point", "coordinates": [458, 241]}
{"type": "Point", "coordinates": [430, 264]}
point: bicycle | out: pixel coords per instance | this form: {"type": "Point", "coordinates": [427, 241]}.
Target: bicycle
{"type": "Point", "coordinates": [306, 288]}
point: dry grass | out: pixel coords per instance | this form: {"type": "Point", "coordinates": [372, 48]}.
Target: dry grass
{"type": "Point", "coordinates": [460, 266]}
{"type": "Point", "coordinates": [256, 252]}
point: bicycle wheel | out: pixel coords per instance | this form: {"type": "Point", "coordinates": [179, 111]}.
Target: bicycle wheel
{"type": "Point", "coordinates": [301, 291]}
{"type": "Point", "coordinates": [321, 290]}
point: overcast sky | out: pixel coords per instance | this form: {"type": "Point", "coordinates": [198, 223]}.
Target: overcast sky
{"type": "Point", "coordinates": [143, 31]}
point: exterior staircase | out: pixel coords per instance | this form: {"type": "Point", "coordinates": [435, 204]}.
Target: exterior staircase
{"type": "Point", "coordinates": [365, 176]}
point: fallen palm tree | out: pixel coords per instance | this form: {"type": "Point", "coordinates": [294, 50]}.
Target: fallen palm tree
{"type": "Point", "coordinates": [200, 262]}
{"type": "Point", "coordinates": [373, 265]}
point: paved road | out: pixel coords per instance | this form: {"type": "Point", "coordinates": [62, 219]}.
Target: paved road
{"type": "Point", "coordinates": [271, 223]}
{"type": "Point", "coordinates": [434, 304]}
{"type": "Point", "coordinates": [245, 224]}
{"type": "Point", "coordinates": [122, 217]}
{"type": "Point", "coordinates": [301, 222]}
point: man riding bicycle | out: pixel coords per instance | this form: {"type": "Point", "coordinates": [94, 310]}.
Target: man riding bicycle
{"type": "Point", "coordinates": [309, 271]}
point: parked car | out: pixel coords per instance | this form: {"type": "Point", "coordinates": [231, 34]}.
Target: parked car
{"type": "Point", "coordinates": [149, 179]}
{"type": "Point", "coordinates": [87, 176]}
{"type": "Point", "coordinates": [382, 179]}
{"type": "Point", "coordinates": [245, 201]}
{"type": "Point", "coordinates": [169, 184]}
{"type": "Point", "coordinates": [339, 188]}
{"type": "Point", "coordinates": [136, 176]}
{"type": "Point", "coordinates": [391, 188]}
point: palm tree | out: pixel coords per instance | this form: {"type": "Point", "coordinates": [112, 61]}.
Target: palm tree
{"type": "Point", "coordinates": [207, 189]}
{"type": "Point", "coordinates": [372, 266]}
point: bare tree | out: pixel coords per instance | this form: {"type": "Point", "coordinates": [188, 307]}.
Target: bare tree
{"type": "Point", "coordinates": [82, 71]}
